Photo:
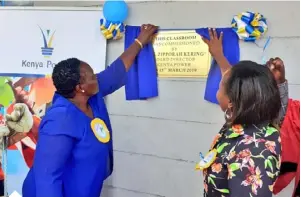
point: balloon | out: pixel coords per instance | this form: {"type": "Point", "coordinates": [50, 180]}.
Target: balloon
{"type": "Point", "coordinates": [115, 11]}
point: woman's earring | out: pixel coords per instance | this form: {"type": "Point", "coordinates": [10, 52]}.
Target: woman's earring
{"type": "Point", "coordinates": [228, 114]}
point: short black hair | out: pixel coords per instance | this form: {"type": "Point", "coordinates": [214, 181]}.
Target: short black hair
{"type": "Point", "coordinates": [254, 94]}
{"type": "Point", "coordinates": [66, 76]}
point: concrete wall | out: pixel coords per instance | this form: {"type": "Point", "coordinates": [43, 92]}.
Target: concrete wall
{"type": "Point", "coordinates": [157, 141]}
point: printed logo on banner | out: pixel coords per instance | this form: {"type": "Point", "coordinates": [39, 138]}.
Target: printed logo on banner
{"type": "Point", "coordinates": [47, 48]}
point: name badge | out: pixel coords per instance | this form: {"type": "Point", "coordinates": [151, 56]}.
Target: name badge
{"type": "Point", "coordinates": [100, 130]}
{"type": "Point", "coordinates": [207, 160]}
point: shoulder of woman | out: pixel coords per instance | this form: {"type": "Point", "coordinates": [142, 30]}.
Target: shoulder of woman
{"type": "Point", "coordinates": [250, 135]}
{"type": "Point", "coordinates": [61, 121]}
{"type": "Point", "coordinates": [257, 139]}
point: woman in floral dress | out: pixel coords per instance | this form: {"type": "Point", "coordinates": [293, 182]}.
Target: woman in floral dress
{"type": "Point", "coordinates": [247, 148]}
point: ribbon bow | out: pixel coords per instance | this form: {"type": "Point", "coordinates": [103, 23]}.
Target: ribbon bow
{"type": "Point", "coordinates": [111, 30]}
{"type": "Point", "coordinates": [249, 26]}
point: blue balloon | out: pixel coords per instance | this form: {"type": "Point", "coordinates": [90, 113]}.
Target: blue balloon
{"type": "Point", "coordinates": [115, 11]}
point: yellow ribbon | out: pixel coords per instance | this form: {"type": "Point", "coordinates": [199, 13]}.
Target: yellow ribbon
{"type": "Point", "coordinates": [249, 26]}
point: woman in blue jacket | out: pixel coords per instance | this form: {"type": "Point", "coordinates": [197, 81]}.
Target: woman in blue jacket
{"type": "Point", "coordinates": [74, 153]}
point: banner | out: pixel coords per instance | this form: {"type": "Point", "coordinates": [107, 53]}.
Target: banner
{"type": "Point", "coordinates": [32, 41]}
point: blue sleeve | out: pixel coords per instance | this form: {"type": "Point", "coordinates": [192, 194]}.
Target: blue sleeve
{"type": "Point", "coordinates": [112, 78]}
{"type": "Point", "coordinates": [51, 155]}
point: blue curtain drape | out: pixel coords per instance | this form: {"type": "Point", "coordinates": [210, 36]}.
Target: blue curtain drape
{"type": "Point", "coordinates": [142, 76]}
{"type": "Point", "coordinates": [231, 52]}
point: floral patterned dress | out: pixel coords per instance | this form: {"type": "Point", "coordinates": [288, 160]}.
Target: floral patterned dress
{"type": "Point", "coordinates": [247, 162]}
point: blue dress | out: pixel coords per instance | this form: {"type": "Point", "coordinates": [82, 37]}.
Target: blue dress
{"type": "Point", "coordinates": [74, 153]}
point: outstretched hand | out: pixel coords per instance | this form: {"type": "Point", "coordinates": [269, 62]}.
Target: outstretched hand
{"type": "Point", "coordinates": [276, 66]}
{"type": "Point", "coordinates": [215, 43]}
{"type": "Point", "coordinates": [147, 32]}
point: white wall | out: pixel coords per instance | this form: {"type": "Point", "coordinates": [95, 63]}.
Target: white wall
{"type": "Point", "coordinates": [157, 141]}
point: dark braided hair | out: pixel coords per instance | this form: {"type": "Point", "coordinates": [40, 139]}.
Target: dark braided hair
{"type": "Point", "coordinates": [66, 76]}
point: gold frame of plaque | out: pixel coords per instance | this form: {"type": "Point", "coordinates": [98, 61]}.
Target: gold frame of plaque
{"type": "Point", "coordinates": [181, 53]}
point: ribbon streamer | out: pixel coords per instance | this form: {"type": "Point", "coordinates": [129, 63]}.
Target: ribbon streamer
{"type": "Point", "coordinates": [111, 30]}
{"type": "Point", "coordinates": [249, 26]}
{"type": "Point", "coordinates": [263, 59]}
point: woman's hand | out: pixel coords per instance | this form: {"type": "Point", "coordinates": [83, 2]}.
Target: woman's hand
{"type": "Point", "coordinates": [276, 66]}
{"type": "Point", "coordinates": [214, 43]}
{"type": "Point", "coordinates": [146, 34]}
